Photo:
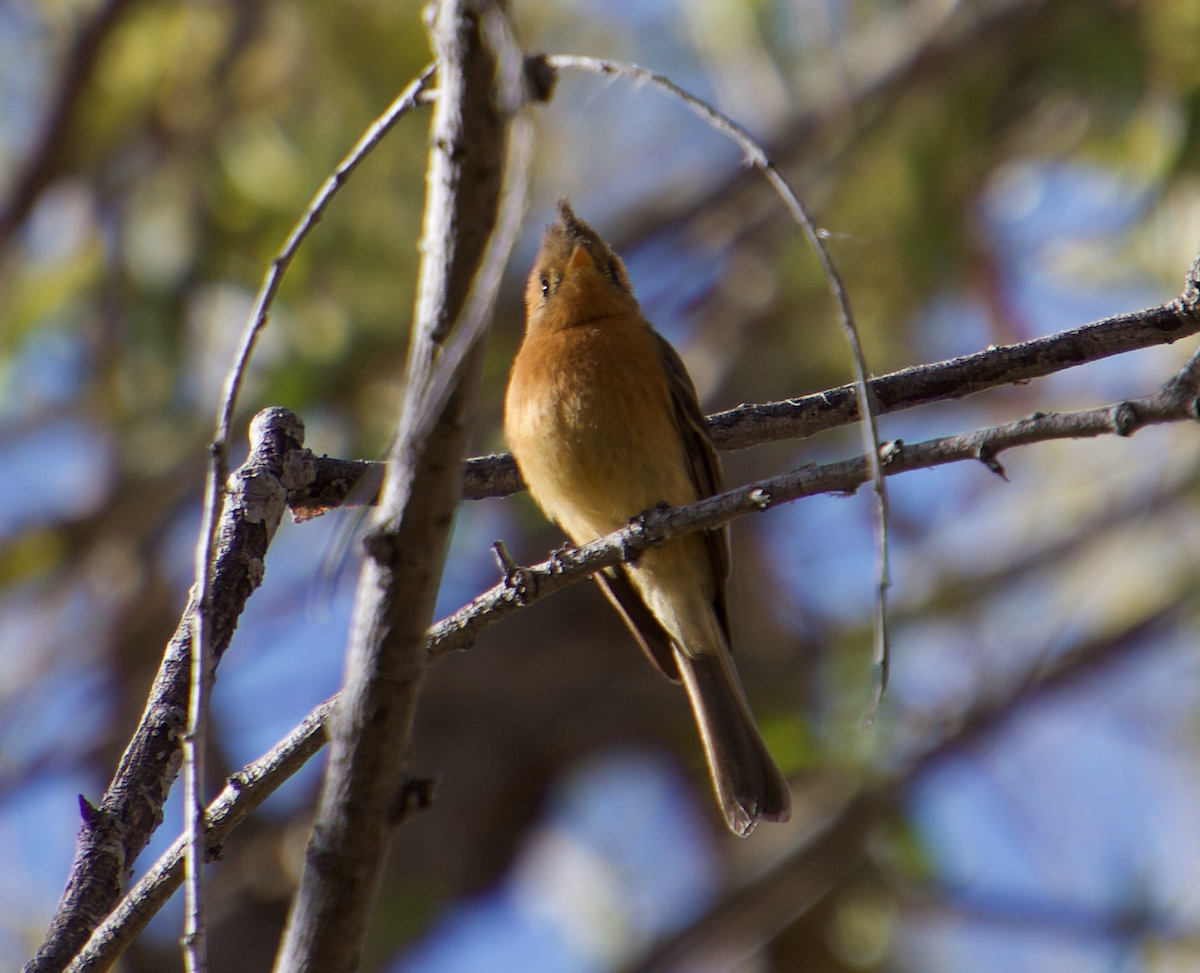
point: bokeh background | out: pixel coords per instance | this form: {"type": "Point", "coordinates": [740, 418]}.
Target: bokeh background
{"type": "Point", "coordinates": [988, 171]}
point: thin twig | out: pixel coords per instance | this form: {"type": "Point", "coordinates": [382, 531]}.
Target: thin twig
{"type": "Point", "coordinates": [523, 586]}
{"type": "Point", "coordinates": [757, 156]}
{"type": "Point", "coordinates": [194, 941]}
{"type": "Point", "coordinates": [246, 790]}
{"type": "Point", "coordinates": [371, 726]}
{"type": "Point", "coordinates": [411, 97]}
{"type": "Point", "coordinates": [1175, 402]}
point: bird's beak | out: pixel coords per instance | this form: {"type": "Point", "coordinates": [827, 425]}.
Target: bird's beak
{"type": "Point", "coordinates": [580, 259]}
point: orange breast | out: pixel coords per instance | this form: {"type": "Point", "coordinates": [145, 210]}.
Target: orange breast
{"type": "Point", "coordinates": [590, 421]}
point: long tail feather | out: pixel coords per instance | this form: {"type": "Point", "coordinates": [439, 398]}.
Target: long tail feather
{"type": "Point", "coordinates": [749, 785]}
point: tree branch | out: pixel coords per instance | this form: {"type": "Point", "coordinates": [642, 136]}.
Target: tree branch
{"type": "Point", "coordinates": [115, 832]}
{"type": "Point", "coordinates": [524, 585]}
{"type": "Point", "coordinates": [371, 723]}
{"type": "Point", "coordinates": [342, 481]}
{"type": "Point", "coordinates": [1176, 401]}
{"type": "Point", "coordinates": [247, 789]}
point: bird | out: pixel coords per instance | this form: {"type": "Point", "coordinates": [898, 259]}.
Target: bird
{"type": "Point", "coordinates": [604, 424]}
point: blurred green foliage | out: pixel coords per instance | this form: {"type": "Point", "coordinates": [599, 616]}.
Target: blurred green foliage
{"type": "Point", "coordinates": [207, 126]}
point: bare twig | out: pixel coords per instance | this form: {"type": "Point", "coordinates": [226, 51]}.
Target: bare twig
{"type": "Point", "coordinates": [194, 942]}
{"type": "Point", "coordinates": [757, 156]}
{"type": "Point", "coordinates": [412, 96]}
{"type": "Point", "coordinates": [116, 831]}
{"type": "Point", "coordinates": [371, 723]}
{"type": "Point", "coordinates": [246, 790]}
{"type": "Point", "coordinates": [524, 585]}
{"type": "Point", "coordinates": [874, 65]}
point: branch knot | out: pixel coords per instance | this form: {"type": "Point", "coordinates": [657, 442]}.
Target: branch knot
{"type": "Point", "coordinates": [1125, 419]}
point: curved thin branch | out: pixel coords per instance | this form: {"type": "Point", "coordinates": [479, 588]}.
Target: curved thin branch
{"type": "Point", "coordinates": [414, 95]}
{"type": "Point", "coordinates": [247, 789]}
{"type": "Point", "coordinates": [194, 940]}
{"type": "Point", "coordinates": [871, 65]}
{"type": "Point", "coordinates": [1176, 401]}
{"type": "Point", "coordinates": [756, 156]}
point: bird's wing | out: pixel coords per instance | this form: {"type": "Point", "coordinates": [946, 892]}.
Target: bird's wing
{"type": "Point", "coordinates": [647, 629]}
{"type": "Point", "coordinates": [704, 462]}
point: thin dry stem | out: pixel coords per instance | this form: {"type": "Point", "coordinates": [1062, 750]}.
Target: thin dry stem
{"type": "Point", "coordinates": [194, 939]}
{"type": "Point", "coordinates": [757, 156]}
{"type": "Point", "coordinates": [522, 586]}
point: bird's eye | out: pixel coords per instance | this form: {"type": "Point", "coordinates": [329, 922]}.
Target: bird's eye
{"type": "Point", "coordinates": [545, 287]}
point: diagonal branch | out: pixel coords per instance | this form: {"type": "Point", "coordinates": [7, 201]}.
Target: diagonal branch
{"type": "Point", "coordinates": [1175, 401]}
{"type": "Point", "coordinates": [756, 156]}
{"type": "Point", "coordinates": [527, 585]}
{"type": "Point", "coordinates": [370, 727]}
{"type": "Point", "coordinates": [116, 831]}
{"type": "Point", "coordinates": [247, 789]}
{"type": "Point", "coordinates": [338, 481]}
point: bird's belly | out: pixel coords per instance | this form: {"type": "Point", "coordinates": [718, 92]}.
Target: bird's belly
{"type": "Point", "coordinates": [599, 452]}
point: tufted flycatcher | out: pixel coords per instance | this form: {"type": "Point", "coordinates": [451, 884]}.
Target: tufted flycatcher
{"type": "Point", "coordinates": [604, 424]}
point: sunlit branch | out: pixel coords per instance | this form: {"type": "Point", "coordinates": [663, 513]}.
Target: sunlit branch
{"type": "Point", "coordinates": [356, 481]}
{"type": "Point", "coordinates": [194, 940]}
{"type": "Point", "coordinates": [1175, 402]}
{"type": "Point", "coordinates": [525, 585]}
{"type": "Point", "coordinates": [247, 789]}
{"type": "Point", "coordinates": [471, 209]}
